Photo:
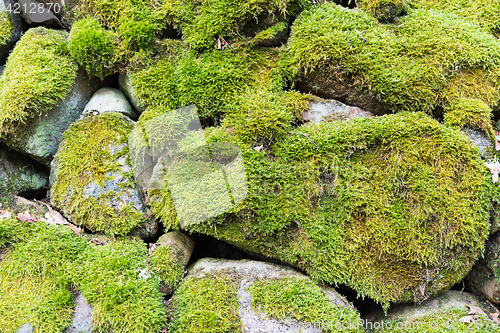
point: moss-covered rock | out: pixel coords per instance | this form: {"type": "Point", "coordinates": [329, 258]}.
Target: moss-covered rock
{"type": "Point", "coordinates": [231, 296]}
{"type": "Point", "coordinates": [386, 11]}
{"type": "Point", "coordinates": [11, 27]}
{"type": "Point", "coordinates": [170, 257]}
{"type": "Point", "coordinates": [41, 94]}
{"type": "Point", "coordinates": [452, 311]}
{"type": "Point", "coordinates": [20, 174]}
{"type": "Point", "coordinates": [93, 183]}
{"type": "Point", "coordinates": [421, 64]}
{"type": "Point", "coordinates": [396, 207]}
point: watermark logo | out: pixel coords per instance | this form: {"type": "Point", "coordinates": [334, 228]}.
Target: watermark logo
{"type": "Point", "coordinates": [204, 180]}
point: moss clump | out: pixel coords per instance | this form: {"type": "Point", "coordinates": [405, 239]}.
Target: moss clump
{"type": "Point", "coordinates": [92, 47]}
{"type": "Point", "coordinates": [395, 206]}
{"type": "Point", "coordinates": [205, 305]}
{"type": "Point", "coordinates": [10, 231]}
{"type": "Point", "coordinates": [90, 153]}
{"type": "Point", "coordinates": [472, 113]}
{"type": "Point", "coordinates": [386, 68]}
{"type": "Point", "coordinates": [384, 10]}
{"type": "Point", "coordinates": [34, 278]}
{"type": "Point", "coordinates": [484, 13]}
{"type": "Point", "coordinates": [301, 299]}
{"type": "Point", "coordinates": [109, 278]}
{"type": "Point", "coordinates": [6, 27]}
{"type": "Point", "coordinates": [40, 57]}
{"type": "Point", "coordinates": [167, 261]}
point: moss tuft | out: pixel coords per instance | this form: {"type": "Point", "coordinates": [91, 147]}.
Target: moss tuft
{"type": "Point", "coordinates": [92, 47]}
{"type": "Point", "coordinates": [90, 154]}
{"type": "Point", "coordinates": [472, 113]}
{"type": "Point", "coordinates": [205, 305]}
{"type": "Point", "coordinates": [384, 10]}
{"type": "Point", "coordinates": [10, 231]}
{"type": "Point", "coordinates": [167, 261]}
{"type": "Point", "coordinates": [301, 299]}
{"type": "Point", "coordinates": [39, 58]}
{"type": "Point", "coordinates": [6, 27]}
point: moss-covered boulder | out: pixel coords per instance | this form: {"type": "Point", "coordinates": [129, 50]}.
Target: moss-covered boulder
{"type": "Point", "coordinates": [396, 206]}
{"type": "Point", "coordinates": [170, 257]}
{"type": "Point", "coordinates": [20, 174]}
{"type": "Point", "coordinates": [92, 178]}
{"type": "Point", "coordinates": [427, 62]}
{"type": "Point", "coordinates": [452, 311]}
{"type": "Point", "coordinates": [41, 94]}
{"type": "Point", "coordinates": [249, 296]}
{"type": "Point", "coordinates": [11, 27]}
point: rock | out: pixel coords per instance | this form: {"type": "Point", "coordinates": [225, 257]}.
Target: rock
{"type": "Point", "coordinates": [11, 27]}
{"type": "Point", "coordinates": [255, 297]}
{"type": "Point", "coordinates": [331, 110]}
{"type": "Point", "coordinates": [109, 100]}
{"type": "Point", "coordinates": [92, 179]}
{"type": "Point", "coordinates": [479, 139]}
{"type": "Point", "coordinates": [38, 13]}
{"type": "Point", "coordinates": [26, 328]}
{"type": "Point", "coordinates": [82, 317]}
{"type": "Point", "coordinates": [34, 114]}
{"type": "Point", "coordinates": [128, 89]}
{"type": "Point", "coordinates": [483, 278]}
{"type": "Point", "coordinates": [170, 256]}
{"type": "Point", "coordinates": [20, 174]}
{"type": "Point", "coordinates": [454, 310]}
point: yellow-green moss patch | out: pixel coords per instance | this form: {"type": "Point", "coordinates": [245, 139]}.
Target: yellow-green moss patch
{"type": "Point", "coordinates": [6, 27]}
{"type": "Point", "coordinates": [473, 113]}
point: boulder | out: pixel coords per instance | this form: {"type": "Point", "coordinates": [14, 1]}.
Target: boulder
{"type": "Point", "coordinates": [109, 100]}
{"type": "Point", "coordinates": [92, 178]}
{"type": "Point", "coordinates": [452, 311]}
{"type": "Point", "coordinates": [20, 174]}
{"type": "Point", "coordinates": [127, 88]}
{"type": "Point", "coordinates": [38, 13]}
{"type": "Point", "coordinates": [252, 296]}
{"type": "Point", "coordinates": [34, 114]}
{"type": "Point", "coordinates": [169, 258]}
{"type": "Point", "coordinates": [11, 28]}
{"type": "Point", "coordinates": [332, 110]}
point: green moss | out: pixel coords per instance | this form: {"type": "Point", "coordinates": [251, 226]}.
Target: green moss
{"type": "Point", "coordinates": [384, 10]}
{"type": "Point", "coordinates": [6, 27]}
{"type": "Point", "coordinates": [92, 47]}
{"type": "Point", "coordinates": [392, 67]}
{"type": "Point", "coordinates": [301, 299]}
{"type": "Point", "coordinates": [485, 13]}
{"type": "Point", "coordinates": [207, 304]}
{"type": "Point", "coordinates": [167, 261]}
{"type": "Point", "coordinates": [39, 57]}
{"type": "Point", "coordinates": [472, 113]}
{"type": "Point", "coordinates": [387, 205]}
{"type": "Point", "coordinates": [34, 279]}
{"type": "Point", "coordinates": [440, 322]}
{"type": "Point", "coordinates": [85, 157]}
{"type": "Point", "coordinates": [10, 231]}
{"type": "Point", "coordinates": [122, 301]}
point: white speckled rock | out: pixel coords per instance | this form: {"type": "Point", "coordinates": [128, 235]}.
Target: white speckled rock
{"type": "Point", "coordinates": [109, 100]}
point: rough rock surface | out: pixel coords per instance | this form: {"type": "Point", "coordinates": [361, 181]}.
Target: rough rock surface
{"type": "Point", "coordinates": [82, 318]}
{"type": "Point", "coordinates": [479, 139]}
{"type": "Point", "coordinates": [20, 174]}
{"type": "Point", "coordinates": [43, 134]}
{"type": "Point", "coordinates": [109, 100]}
{"type": "Point", "coordinates": [36, 13]}
{"type": "Point", "coordinates": [331, 110]}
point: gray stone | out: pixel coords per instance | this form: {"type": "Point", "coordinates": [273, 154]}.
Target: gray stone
{"type": "Point", "coordinates": [20, 174]}
{"type": "Point", "coordinates": [479, 139]}
{"type": "Point", "coordinates": [43, 135]}
{"type": "Point", "coordinates": [109, 100]}
{"type": "Point", "coordinates": [244, 273]}
{"type": "Point", "coordinates": [453, 308]}
{"type": "Point", "coordinates": [482, 279]}
{"type": "Point", "coordinates": [8, 7]}
{"type": "Point", "coordinates": [26, 328]}
{"type": "Point", "coordinates": [332, 110]}
{"type": "Point", "coordinates": [82, 317]}
{"type": "Point", "coordinates": [128, 90]}
{"type": "Point", "coordinates": [37, 13]}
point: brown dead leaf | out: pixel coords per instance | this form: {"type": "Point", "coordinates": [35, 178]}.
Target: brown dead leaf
{"type": "Point", "coordinates": [26, 216]}
{"type": "Point", "coordinates": [54, 217]}
{"type": "Point", "coordinates": [5, 214]}
{"type": "Point", "coordinates": [468, 319]}
{"type": "Point", "coordinates": [494, 315]}
{"type": "Point", "coordinates": [75, 229]}
{"type": "Point", "coordinates": [475, 310]}
{"type": "Point", "coordinates": [96, 241]}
